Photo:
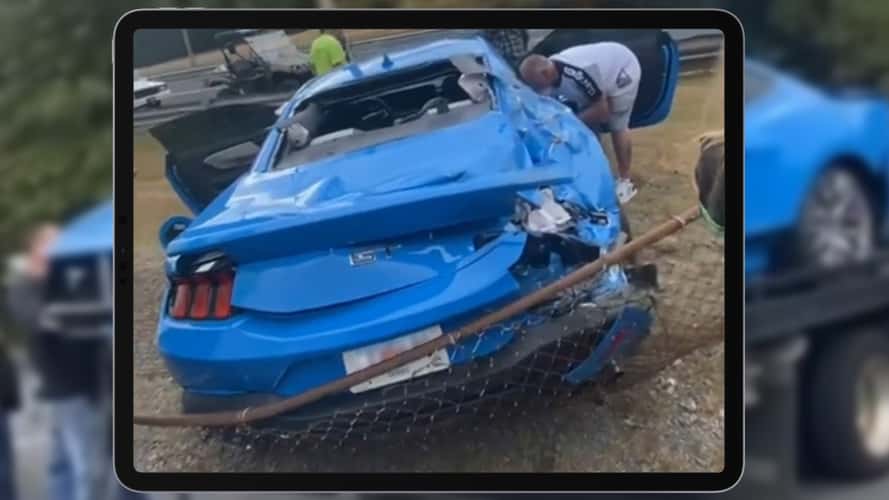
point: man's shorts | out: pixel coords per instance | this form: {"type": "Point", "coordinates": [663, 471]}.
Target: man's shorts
{"type": "Point", "coordinates": [621, 105]}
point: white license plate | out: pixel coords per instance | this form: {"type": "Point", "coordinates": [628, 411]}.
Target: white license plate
{"type": "Point", "coordinates": [358, 359]}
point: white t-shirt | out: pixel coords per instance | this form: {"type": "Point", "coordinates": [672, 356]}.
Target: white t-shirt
{"type": "Point", "coordinates": [589, 71]}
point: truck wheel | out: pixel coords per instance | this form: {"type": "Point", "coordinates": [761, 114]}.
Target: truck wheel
{"type": "Point", "coordinates": [287, 85]}
{"type": "Point", "coordinates": [838, 222]}
{"type": "Point", "coordinates": [846, 409]}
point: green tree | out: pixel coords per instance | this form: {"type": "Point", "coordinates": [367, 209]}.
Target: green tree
{"type": "Point", "coordinates": [841, 42]}
{"type": "Point", "coordinates": [56, 96]}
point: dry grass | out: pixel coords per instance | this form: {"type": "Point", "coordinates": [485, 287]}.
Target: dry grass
{"type": "Point", "coordinates": [154, 201]}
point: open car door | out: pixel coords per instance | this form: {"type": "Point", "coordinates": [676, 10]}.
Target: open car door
{"type": "Point", "coordinates": [208, 150]}
{"type": "Point", "coordinates": [658, 57]}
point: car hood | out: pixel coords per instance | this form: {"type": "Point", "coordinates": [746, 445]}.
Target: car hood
{"type": "Point", "coordinates": [464, 173]}
{"type": "Point", "coordinates": [89, 233]}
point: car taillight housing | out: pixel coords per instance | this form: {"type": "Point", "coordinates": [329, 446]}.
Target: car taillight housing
{"type": "Point", "coordinates": [202, 296]}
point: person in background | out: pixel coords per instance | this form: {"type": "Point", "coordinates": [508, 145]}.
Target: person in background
{"type": "Point", "coordinates": [709, 180]}
{"type": "Point", "coordinates": [9, 402]}
{"type": "Point", "coordinates": [599, 81]}
{"type": "Point", "coordinates": [344, 43]}
{"type": "Point", "coordinates": [69, 372]}
{"type": "Point", "coordinates": [512, 44]}
{"type": "Point", "coordinates": [326, 53]}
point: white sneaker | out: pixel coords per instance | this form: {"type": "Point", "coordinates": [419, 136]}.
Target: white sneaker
{"type": "Point", "coordinates": [625, 190]}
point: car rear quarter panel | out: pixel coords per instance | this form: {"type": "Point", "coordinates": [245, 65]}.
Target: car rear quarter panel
{"type": "Point", "coordinates": [257, 350]}
{"type": "Point", "coordinates": [784, 160]}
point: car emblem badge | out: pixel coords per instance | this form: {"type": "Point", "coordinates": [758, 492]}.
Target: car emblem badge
{"type": "Point", "coordinates": [362, 258]}
{"type": "Point", "coordinates": [74, 277]}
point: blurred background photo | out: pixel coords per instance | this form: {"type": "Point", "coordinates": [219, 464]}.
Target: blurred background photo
{"type": "Point", "coordinates": [826, 57]}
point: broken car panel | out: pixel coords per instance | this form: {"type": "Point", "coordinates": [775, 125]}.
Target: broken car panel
{"type": "Point", "coordinates": [390, 201]}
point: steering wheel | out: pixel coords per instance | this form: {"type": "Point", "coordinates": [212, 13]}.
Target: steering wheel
{"type": "Point", "coordinates": [441, 104]}
{"type": "Point", "coordinates": [382, 113]}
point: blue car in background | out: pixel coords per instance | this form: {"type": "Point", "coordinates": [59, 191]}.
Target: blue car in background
{"type": "Point", "coordinates": [80, 296]}
{"type": "Point", "coordinates": [391, 201]}
{"type": "Point", "coordinates": [816, 179]}
{"type": "Point", "coordinates": [817, 174]}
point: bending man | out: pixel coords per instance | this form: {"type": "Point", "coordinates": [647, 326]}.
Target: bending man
{"type": "Point", "coordinates": [599, 81]}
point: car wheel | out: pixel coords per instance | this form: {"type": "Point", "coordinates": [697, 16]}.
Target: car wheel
{"type": "Point", "coordinates": [838, 223]}
{"type": "Point", "coordinates": [847, 405]}
{"type": "Point", "coordinates": [227, 92]}
{"type": "Point", "coordinates": [153, 102]}
{"type": "Point", "coordinates": [287, 85]}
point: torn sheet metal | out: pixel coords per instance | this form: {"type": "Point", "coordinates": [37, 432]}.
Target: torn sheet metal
{"type": "Point", "coordinates": [385, 220]}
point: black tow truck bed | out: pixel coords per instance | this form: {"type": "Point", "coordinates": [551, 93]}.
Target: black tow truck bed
{"type": "Point", "coordinates": [785, 317]}
{"type": "Point", "coordinates": [802, 300]}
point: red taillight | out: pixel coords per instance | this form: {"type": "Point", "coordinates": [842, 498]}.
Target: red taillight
{"type": "Point", "coordinates": [181, 302]}
{"type": "Point", "coordinates": [203, 296]}
{"type": "Point", "coordinates": [200, 304]}
{"type": "Point", "coordinates": [223, 305]}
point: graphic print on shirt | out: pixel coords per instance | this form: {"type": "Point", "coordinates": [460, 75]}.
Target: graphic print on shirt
{"type": "Point", "coordinates": [581, 79]}
{"type": "Point", "coordinates": [623, 79]}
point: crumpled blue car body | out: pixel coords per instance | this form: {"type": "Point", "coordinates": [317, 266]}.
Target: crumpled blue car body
{"type": "Point", "coordinates": [374, 243]}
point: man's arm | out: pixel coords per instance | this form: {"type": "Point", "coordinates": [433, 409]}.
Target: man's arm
{"type": "Point", "coordinates": [709, 178]}
{"type": "Point", "coordinates": [623, 151]}
{"type": "Point", "coordinates": [596, 113]}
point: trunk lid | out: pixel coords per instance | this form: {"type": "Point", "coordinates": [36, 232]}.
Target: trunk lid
{"type": "Point", "coordinates": [315, 280]}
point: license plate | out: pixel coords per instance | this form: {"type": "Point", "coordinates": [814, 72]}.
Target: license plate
{"type": "Point", "coordinates": [358, 359]}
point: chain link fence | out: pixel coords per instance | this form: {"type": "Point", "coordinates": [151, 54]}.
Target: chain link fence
{"type": "Point", "coordinates": [566, 352]}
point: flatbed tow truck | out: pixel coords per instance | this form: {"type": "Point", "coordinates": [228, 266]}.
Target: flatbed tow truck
{"type": "Point", "coordinates": [815, 408]}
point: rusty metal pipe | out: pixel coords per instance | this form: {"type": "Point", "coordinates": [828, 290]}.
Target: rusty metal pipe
{"type": "Point", "coordinates": [584, 273]}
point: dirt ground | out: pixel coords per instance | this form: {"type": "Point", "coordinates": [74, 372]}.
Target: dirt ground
{"type": "Point", "coordinates": [665, 415]}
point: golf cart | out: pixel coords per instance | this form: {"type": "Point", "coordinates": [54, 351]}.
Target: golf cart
{"type": "Point", "coordinates": [259, 62]}
{"type": "Point", "coordinates": [148, 93]}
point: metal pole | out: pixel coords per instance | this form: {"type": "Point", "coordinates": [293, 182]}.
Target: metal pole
{"type": "Point", "coordinates": [536, 298]}
{"type": "Point", "coordinates": [185, 39]}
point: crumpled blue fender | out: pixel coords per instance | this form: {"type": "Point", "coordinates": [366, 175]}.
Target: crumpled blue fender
{"type": "Point", "coordinates": [630, 327]}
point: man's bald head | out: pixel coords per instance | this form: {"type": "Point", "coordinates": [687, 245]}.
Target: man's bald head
{"type": "Point", "coordinates": [538, 72]}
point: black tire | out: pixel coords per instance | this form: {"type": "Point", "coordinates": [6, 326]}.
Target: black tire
{"type": "Point", "coordinates": [228, 92]}
{"type": "Point", "coordinates": [287, 85]}
{"type": "Point", "coordinates": [855, 224]}
{"type": "Point", "coordinates": [831, 409]}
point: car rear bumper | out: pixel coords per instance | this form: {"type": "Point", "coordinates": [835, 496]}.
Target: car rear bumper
{"type": "Point", "coordinates": [549, 356]}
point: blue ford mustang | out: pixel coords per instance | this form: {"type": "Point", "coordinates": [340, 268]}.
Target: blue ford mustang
{"type": "Point", "coordinates": [390, 201]}
{"type": "Point", "coordinates": [816, 185]}
{"type": "Point", "coordinates": [816, 174]}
